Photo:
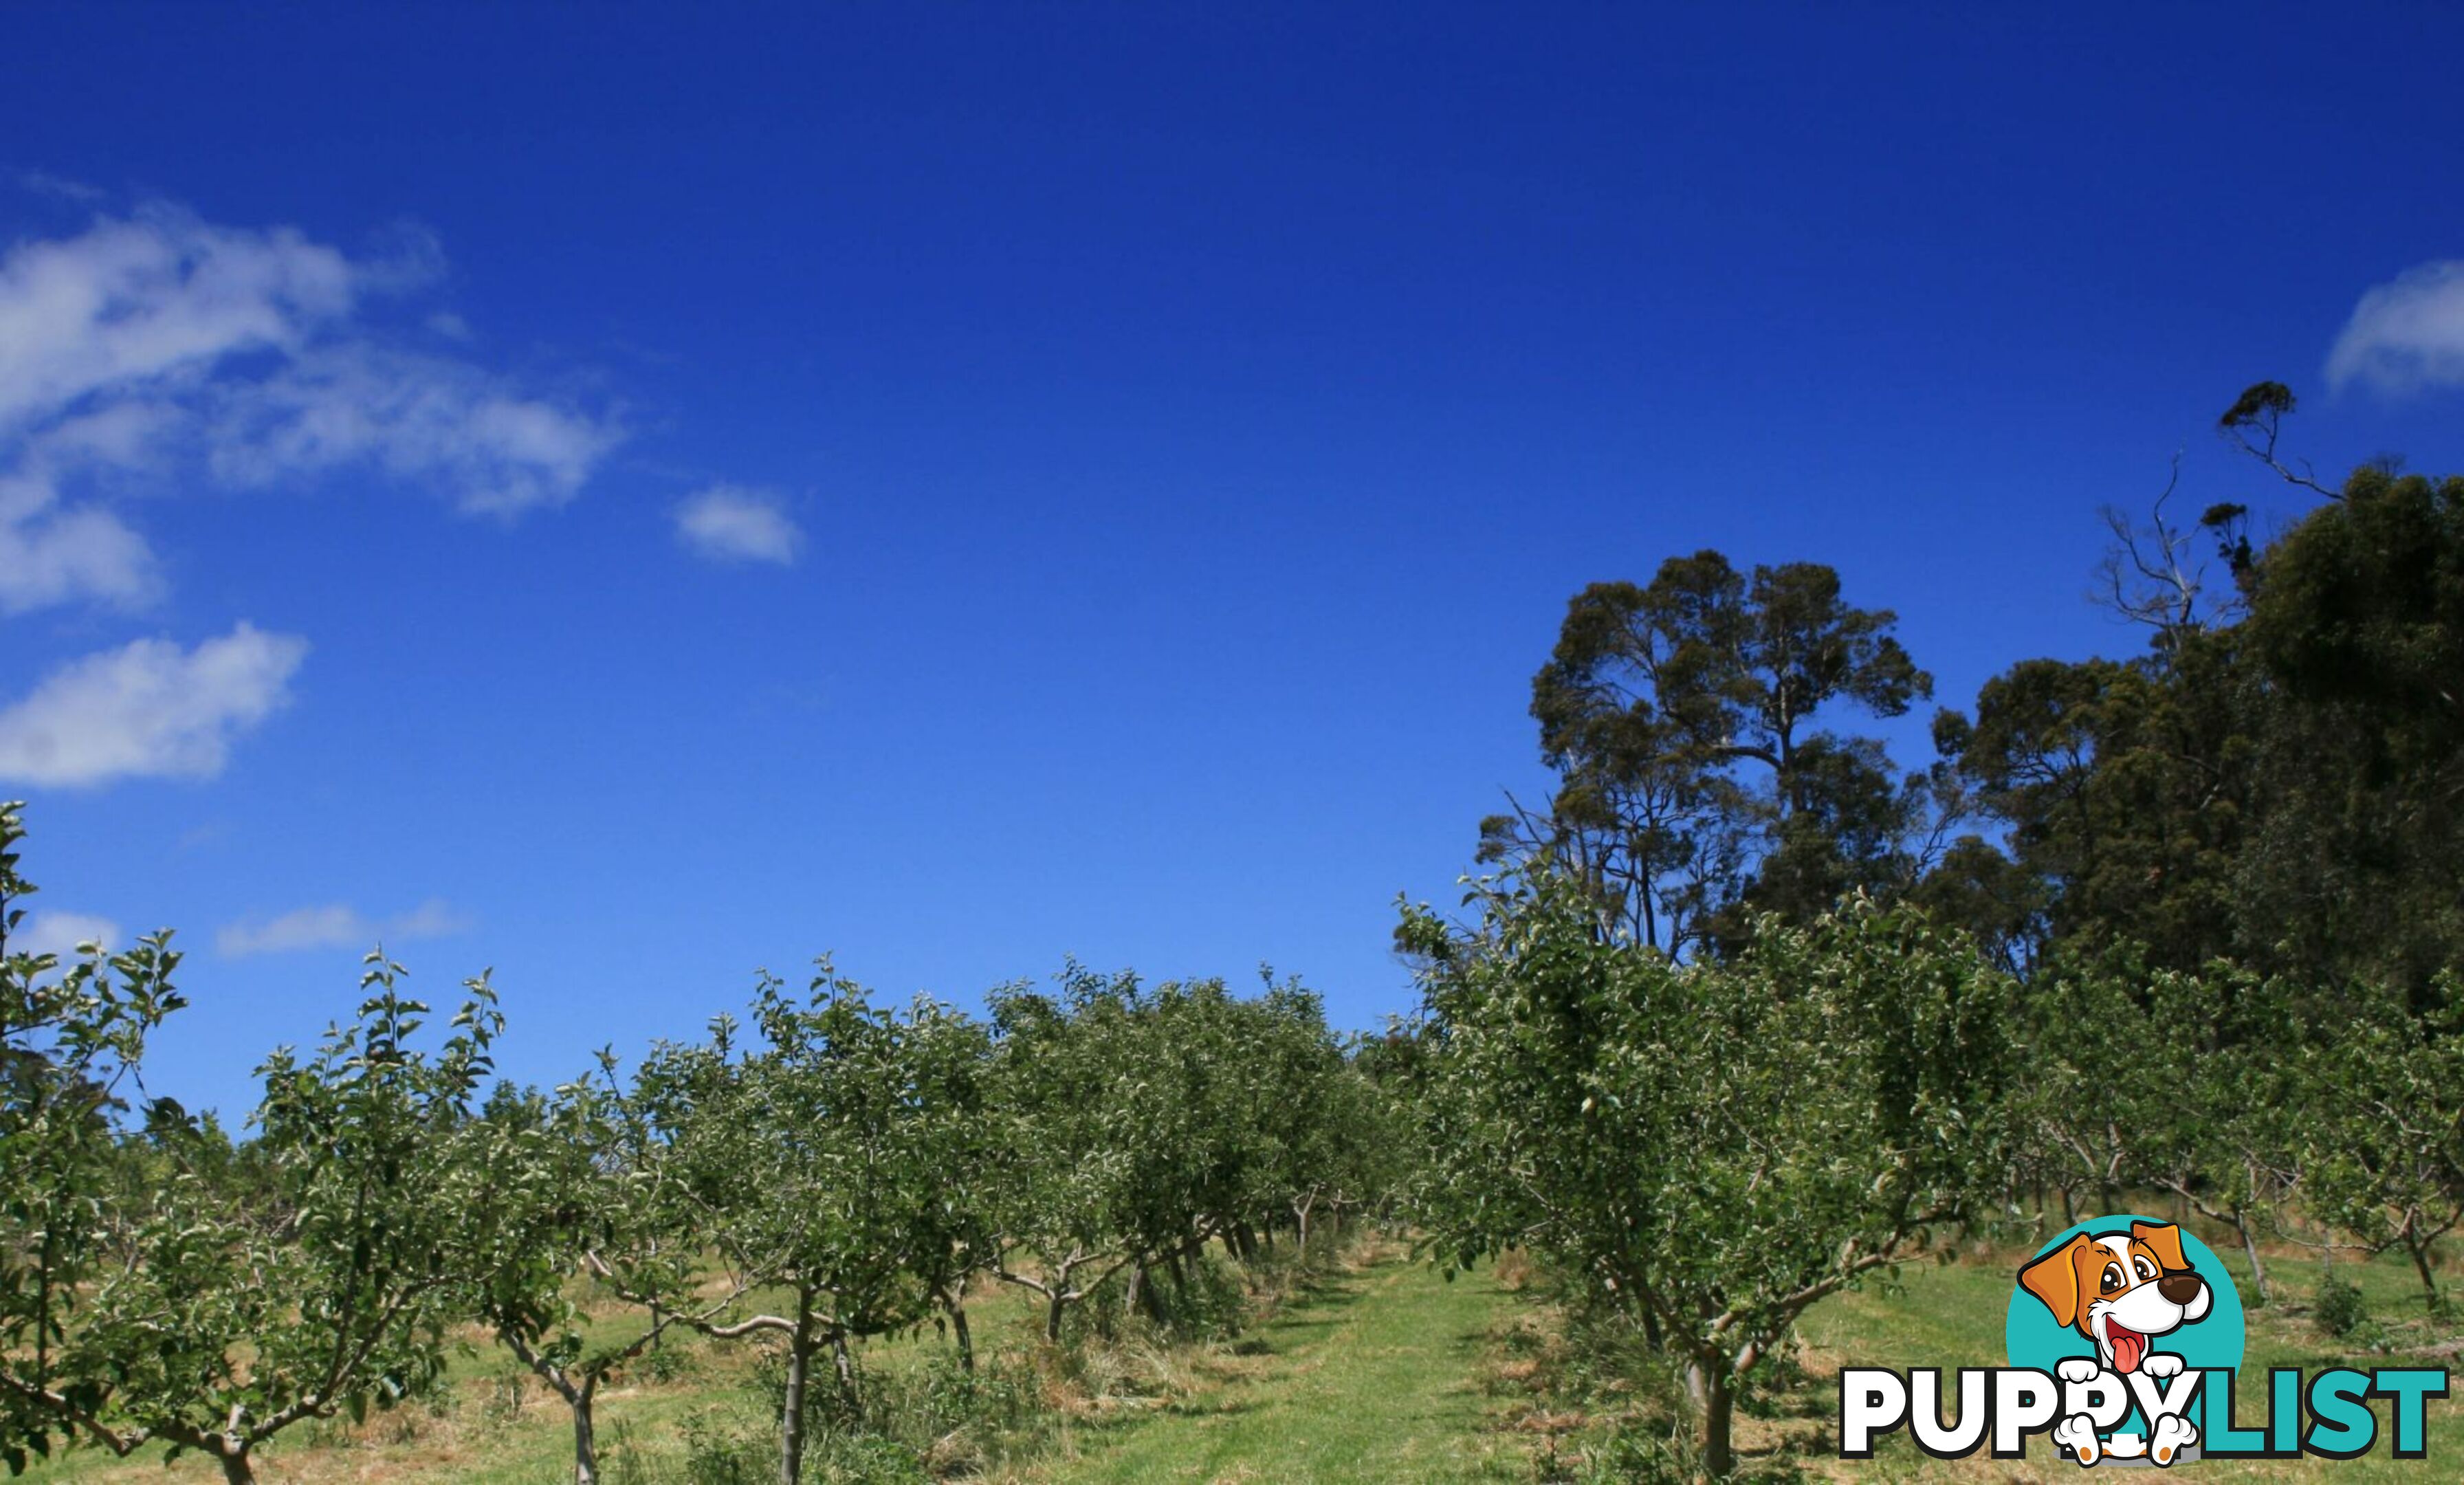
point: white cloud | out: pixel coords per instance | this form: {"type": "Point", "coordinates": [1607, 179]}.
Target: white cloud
{"type": "Point", "coordinates": [134, 303]}
{"type": "Point", "coordinates": [60, 933]}
{"type": "Point", "coordinates": [420, 419]}
{"type": "Point", "coordinates": [736, 523]}
{"type": "Point", "coordinates": [148, 709]}
{"type": "Point", "coordinates": [2406, 335]}
{"type": "Point", "coordinates": [156, 346]}
{"type": "Point", "coordinates": [51, 552]}
{"type": "Point", "coordinates": [335, 928]}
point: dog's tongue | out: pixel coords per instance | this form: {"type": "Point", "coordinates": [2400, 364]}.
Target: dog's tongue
{"type": "Point", "coordinates": [2128, 1346]}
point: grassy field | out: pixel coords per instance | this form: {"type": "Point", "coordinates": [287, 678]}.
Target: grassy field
{"type": "Point", "coordinates": [1374, 1370]}
{"type": "Point", "coordinates": [1372, 1375]}
{"type": "Point", "coordinates": [1367, 1372]}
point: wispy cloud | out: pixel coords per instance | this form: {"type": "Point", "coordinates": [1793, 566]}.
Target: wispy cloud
{"type": "Point", "coordinates": [738, 523]}
{"type": "Point", "coordinates": [155, 347]}
{"type": "Point", "coordinates": [42, 182]}
{"type": "Point", "coordinates": [335, 928]}
{"type": "Point", "coordinates": [420, 419]}
{"type": "Point", "coordinates": [52, 552]}
{"type": "Point", "coordinates": [148, 709]}
{"type": "Point", "coordinates": [62, 932]}
{"type": "Point", "coordinates": [2406, 335]}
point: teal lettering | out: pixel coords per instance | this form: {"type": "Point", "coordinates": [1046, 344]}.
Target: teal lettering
{"type": "Point", "coordinates": [2409, 1387]}
{"type": "Point", "coordinates": [2220, 1437]}
{"type": "Point", "coordinates": [2341, 1426]}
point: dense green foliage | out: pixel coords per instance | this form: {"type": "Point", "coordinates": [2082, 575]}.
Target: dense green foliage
{"type": "Point", "coordinates": [1750, 1011]}
{"type": "Point", "coordinates": [1698, 786]}
{"type": "Point", "coordinates": [2277, 780]}
{"type": "Point", "coordinates": [1711, 1146]}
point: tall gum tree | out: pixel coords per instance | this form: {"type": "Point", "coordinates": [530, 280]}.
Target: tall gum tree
{"type": "Point", "coordinates": [1696, 782]}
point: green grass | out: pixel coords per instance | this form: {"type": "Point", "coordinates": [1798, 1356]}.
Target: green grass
{"type": "Point", "coordinates": [1370, 1377]}
{"type": "Point", "coordinates": [1370, 1372]}
{"type": "Point", "coordinates": [1377, 1371]}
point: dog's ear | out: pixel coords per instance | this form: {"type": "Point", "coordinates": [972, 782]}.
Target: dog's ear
{"type": "Point", "coordinates": [2053, 1278]}
{"type": "Point", "coordinates": [2165, 1239]}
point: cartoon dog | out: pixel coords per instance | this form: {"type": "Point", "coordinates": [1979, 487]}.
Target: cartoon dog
{"type": "Point", "coordinates": [2122, 1290]}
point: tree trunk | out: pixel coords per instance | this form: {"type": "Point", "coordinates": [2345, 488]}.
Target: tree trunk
{"type": "Point", "coordinates": [791, 1409]}
{"type": "Point", "coordinates": [236, 1469]}
{"type": "Point", "coordinates": [966, 1341]}
{"type": "Point", "coordinates": [847, 1397]}
{"type": "Point", "coordinates": [2250, 1246]}
{"type": "Point", "coordinates": [1054, 1301]}
{"type": "Point", "coordinates": [1150, 1298]}
{"type": "Point", "coordinates": [1715, 1398]}
{"type": "Point", "coordinates": [1651, 1337]}
{"type": "Point", "coordinates": [585, 1435]}
{"type": "Point", "coordinates": [2421, 1265]}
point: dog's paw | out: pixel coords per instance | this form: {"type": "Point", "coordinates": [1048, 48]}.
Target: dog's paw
{"type": "Point", "coordinates": [2172, 1435]}
{"type": "Point", "coordinates": [2161, 1364]}
{"type": "Point", "coordinates": [2078, 1434]}
{"type": "Point", "coordinates": [2077, 1368]}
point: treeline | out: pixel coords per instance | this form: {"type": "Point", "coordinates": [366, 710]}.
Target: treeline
{"type": "Point", "coordinates": [829, 1169]}
{"type": "Point", "coordinates": [1749, 1011]}
{"type": "Point", "coordinates": [2276, 778]}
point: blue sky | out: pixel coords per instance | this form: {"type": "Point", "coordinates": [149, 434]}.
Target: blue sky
{"type": "Point", "coordinates": [627, 496]}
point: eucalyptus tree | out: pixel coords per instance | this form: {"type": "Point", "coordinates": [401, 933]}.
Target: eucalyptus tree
{"type": "Point", "coordinates": [1706, 1148]}
{"type": "Point", "coordinates": [2278, 778]}
{"type": "Point", "coordinates": [2355, 639]}
{"type": "Point", "coordinates": [1697, 783]}
{"type": "Point", "coordinates": [71, 1040]}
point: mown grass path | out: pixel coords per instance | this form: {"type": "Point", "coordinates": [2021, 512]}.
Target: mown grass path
{"type": "Point", "coordinates": [1373, 1377]}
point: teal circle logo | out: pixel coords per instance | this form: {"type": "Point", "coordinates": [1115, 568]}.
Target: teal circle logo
{"type": "Point", "coordinates": [2118, 1290]}
{"type": "Point", "coordinates": [2035, 1335]}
